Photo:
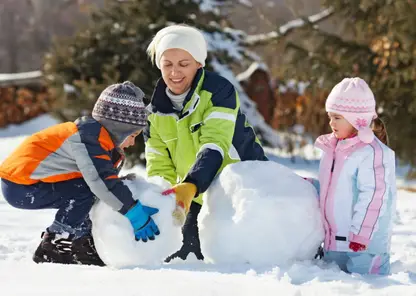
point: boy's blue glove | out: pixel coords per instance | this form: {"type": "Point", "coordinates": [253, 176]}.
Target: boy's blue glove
{"type": "Point", "coordinates": [143, 225]}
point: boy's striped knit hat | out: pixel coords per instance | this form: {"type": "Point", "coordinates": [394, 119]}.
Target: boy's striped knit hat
{"type": "Point", "coordinates": [122, 102]}
{"type": "Point", "coordinates": [353, 99]}
{"type": "Point", "coordinates": [121, 110]}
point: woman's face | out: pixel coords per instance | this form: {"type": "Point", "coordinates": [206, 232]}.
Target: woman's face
{"type": "Point", "coordinates": [178, 69]}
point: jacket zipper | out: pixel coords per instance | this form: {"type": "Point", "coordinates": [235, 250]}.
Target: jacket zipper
{"type": "Point", "coordinates": [326, 200]}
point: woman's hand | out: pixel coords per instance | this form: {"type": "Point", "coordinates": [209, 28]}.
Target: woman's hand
{"type": "Point", "coordinates": [184, 192]}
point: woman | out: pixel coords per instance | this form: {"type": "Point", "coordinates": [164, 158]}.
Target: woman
{"type": "Point", "coordinates": [196, 127]}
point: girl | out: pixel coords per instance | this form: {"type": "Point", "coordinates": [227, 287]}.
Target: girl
{"type": "Point", "coordinates": [357, 182]}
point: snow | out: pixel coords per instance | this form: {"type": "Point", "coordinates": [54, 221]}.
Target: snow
{"type": "Point", "coordinates": [23, 78]}
{"type": "Point", "coordinates": [20, 234]}
{"type": "Point", "coordinates": [68, 88]}
{"type": "Point", "coordinates": [22, 75]}
{"type": "Point", "coordinates": [294, 85]}
{"type": "Point", "coordinates": [29, 127]}
{"type": "Point", "coordinates": [243, 76]}
{"type": "Point", "coordinates": [209, 6]}
{"type": "Point", "coordinates": [230, 42]}
{"type": "Point", "coordinates": [235, 207]}
{"type": "Point", "coordinates": [278, 224]}
{"type": "Point", "coordinates": [113, 233]}
{"type": "Point", "coordinates": [246, 3]}
{"type": "Point", "coordinates": [219, 42]}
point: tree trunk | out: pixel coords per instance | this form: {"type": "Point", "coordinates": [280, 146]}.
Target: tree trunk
{"type": "Point", "coordinates": [9, 20]}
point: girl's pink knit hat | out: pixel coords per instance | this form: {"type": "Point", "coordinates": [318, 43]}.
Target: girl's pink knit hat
{"type": "Point", "coordinates": [353, 99]}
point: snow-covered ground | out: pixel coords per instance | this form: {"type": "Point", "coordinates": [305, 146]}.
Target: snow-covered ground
{"type": "Point", "coordinates": [20, 234]}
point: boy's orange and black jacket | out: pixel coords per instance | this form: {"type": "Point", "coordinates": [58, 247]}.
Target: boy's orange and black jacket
{"type": "Point", "coordinates": [80, 149]}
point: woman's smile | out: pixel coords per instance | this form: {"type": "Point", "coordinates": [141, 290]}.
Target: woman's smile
{"type": "Point", "coordinates": [176, 80]}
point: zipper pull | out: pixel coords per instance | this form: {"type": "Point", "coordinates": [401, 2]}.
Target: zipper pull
{"type": "Point", "coordinates": [196, 127]}
{"type": "Point", "coordinates": [333, 165]}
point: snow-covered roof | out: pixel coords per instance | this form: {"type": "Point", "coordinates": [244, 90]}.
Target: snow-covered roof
{"type": "Point", "coordinates": [253, 68]}
{"type": "Point", "coordinates": [20, 78]}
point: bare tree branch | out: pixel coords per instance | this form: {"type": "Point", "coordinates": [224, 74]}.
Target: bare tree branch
{"type": "Point", "coordinates": [246, 3]}
{"type": "Point", "coordinates": [312, 56]}
{"type": "Point", "coordinates": [289, 27]}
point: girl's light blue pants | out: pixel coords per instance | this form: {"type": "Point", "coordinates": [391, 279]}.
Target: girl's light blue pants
{"type": "Point", "coordinates": [360, 262]}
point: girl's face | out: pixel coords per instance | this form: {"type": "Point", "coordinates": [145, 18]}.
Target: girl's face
{"type": "Point", "coordinates": [340, 126]}
{"type": "Point", "coordinates": [178, 69]}
{"type": "Point", "coordinates": [129, 141]}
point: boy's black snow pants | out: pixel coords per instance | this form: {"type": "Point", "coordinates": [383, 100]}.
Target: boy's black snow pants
{"type": "Point", "coordinates": [72, 198]}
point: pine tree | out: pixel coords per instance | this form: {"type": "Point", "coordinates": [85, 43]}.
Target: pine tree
{"type": "Point", "coordinates": [378, 44]}
{"type": "Point", "coordinates": [112, 48]}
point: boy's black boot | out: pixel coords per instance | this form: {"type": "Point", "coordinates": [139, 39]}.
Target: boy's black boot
{"type": "Point", "coordinates": [53, 249]}
{"type": "Point", "coordinates": [84, 252]}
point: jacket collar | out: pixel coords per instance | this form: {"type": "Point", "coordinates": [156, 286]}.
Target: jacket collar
{"type": "Point", "coordinates": [329, 142]}
{"type": "Point", "coordinates": [160, 102]}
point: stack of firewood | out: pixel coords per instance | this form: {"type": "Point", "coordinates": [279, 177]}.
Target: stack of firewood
{"type": "Point", "coordinates": [284, 115]}
{"type": "Point", "coordinates": [18, 104]}
{"type": "Point", "coordinates": [307, 109]}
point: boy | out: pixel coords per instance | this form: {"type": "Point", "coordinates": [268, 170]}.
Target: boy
{"type": "Point", "coordinates": [67, 165]}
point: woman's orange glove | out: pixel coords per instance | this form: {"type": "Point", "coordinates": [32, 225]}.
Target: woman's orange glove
{"type": "Point", "coordinates": [184, 192]}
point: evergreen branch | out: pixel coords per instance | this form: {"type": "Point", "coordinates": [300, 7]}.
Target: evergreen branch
{"type": "Point", "coordinates": [312, 56]}
{"type": "Point", "coordinates": [288, 28]}
{"type": "Point", "coordinates": [340, 42]}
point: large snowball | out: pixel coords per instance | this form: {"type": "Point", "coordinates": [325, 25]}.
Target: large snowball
{"type": "Point", "coordinates": [113, 233]}
{"type": "Point", "coordinates": [260, 213]}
